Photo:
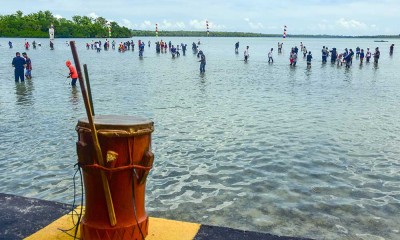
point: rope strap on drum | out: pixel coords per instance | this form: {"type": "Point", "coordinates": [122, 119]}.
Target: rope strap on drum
{"type": "Point", "coordinates": [116, 169]}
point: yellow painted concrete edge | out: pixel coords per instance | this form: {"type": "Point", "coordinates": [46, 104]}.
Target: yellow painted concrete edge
{"type": "Point", "coordinates": [159, 229]}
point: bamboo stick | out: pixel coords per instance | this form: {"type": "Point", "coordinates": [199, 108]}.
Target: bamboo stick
{"type": "Point", "coordinates": [88, 87]}
{"type": "Point", "coordinates": [106, 187]}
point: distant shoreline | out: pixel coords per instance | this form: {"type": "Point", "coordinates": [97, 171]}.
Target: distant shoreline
{"type": "Point", "coordinates": [140, 33]}
{"type": "Point", "coordinates": [255, 35]}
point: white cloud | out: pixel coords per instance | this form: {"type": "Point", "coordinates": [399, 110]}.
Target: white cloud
{"type": "Point", "coordinates": [214, 26]}
{"type": "Point", "coordinates": [93, 15]}
{"type": "Point", "coordinates": [148, 25]}
{"type": "Point", "coordinates": [253, 25]}
{"type": "Point", "coordinates": [166, 24]}
{"type": "Point", "coordinates": [180, 24]}
{"type": "Point", "coordinates": [145, 25]}
{"type": "Point", "coordinates": [256, 25]}
{"type": "Point", "coordinates": [342, 26]}
{"type": "Point", "coordinates": [126, 23]}
{"type": "Point", "coordinates": [58, 16]}
{"type": "Point", "coordinates": [201, 25]}
{"type": "Point", "coordinates": [324, 26]}
{"type": "Point", "coordinates": [198, 24]}
{"type": "Point", "coordinates": [272, 27]}
{"type": "Point", "coordinates": [351, 24]}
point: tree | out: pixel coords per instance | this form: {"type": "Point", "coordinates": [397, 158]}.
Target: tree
{"type": "Point", "coordinates": [19, 14]}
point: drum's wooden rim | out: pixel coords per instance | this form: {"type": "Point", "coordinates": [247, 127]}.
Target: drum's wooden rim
{"type": "Point", "coordinates": [117, 125]}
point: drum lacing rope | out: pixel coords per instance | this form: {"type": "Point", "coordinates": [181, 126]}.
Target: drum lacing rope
{"type": "Point", "coordinates": [115, 169]}
{"type": "Point", "coordinates": [76, 225]}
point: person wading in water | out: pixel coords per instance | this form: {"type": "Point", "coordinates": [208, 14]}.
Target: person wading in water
{"type": "Point", "coordinates": [73, 74]}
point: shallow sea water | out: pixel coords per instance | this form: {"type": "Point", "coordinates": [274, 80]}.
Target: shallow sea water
{"type": "Point", "coordinates": [256, 146]}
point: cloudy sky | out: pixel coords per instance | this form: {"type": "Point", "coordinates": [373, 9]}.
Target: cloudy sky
{"type": "Point", "coordinates": [336, 17]}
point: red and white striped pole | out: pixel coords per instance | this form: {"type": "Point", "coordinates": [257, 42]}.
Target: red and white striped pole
{"type": "Point", "coordinates": [284, 31]}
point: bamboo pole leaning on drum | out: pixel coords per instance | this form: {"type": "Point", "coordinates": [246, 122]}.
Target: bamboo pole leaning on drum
{"type": "Point", "coordinates": [89, 91]}
{"type": "Point", "coordinates": [106, 187]}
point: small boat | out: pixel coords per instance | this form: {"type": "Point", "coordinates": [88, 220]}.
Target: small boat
{"type": "Point", "coordinates": [381, 41]}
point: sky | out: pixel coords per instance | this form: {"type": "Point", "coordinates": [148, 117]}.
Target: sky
{"type": "Point", "coordinates": [332, 17]}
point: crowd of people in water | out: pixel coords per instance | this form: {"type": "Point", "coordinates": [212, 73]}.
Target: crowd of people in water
{"type": "Point", "coordinates": [161, 46]}
{"type": "Point", "coordinates": [20, 63]}
{"type": "Point", "coordinates": [337, 57]}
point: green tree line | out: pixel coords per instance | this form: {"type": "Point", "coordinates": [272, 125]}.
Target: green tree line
{"type": "Point", "coordinates": [37, 25]}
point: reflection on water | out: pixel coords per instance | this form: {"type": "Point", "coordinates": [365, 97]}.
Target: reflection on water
{"type": "Point", "coordinates": [376, 66]}
{"type": "Point", "coordinates": [23, 92]}
{"type": "Point", "coordinates": [308, 73]}
{"type": "Point", "coordinates": [202, 84]}
{"type": "Point", "coordinates": [348, 75]}
{"type": "Point", "coordinates": [74, 99]}
{"type": "Point", "coordinates": [257, 146]}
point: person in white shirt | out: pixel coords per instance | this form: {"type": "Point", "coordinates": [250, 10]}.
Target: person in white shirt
{"type": "Point", "coordinates": [368, 55]}
{"type": "Point", "coordinates": [270, 59]}
{"type": "Point", "coordinates": [246, 54]}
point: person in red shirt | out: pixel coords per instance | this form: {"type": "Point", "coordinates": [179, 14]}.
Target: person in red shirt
{"type": "Point", "coordinates": [73, 74]}
{"type": "Point", "coordinates": [27, 45]}
{"type": "Point", "coordinates": [28, 73]}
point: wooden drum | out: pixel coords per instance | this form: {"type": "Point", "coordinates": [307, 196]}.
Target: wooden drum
{"type": "Point", "coordinates": [125, 143]}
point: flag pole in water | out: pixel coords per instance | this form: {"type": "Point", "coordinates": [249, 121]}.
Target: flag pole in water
{"type": "Point", "coordinates": [208, 29]}
{"type": "Point", "coordinates": [284, 31]}
{"type": "Point", "coordinates": [156, 30]}
{"type": "Point", "coordinates": [51, 36]}
{"type": "Point", "coordinates": [106, 187]}
{"type": "Point", "coordinates": [109, 29]}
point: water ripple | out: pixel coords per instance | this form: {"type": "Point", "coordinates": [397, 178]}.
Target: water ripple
{"type": "Point", "coordinates": [290, 151]}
